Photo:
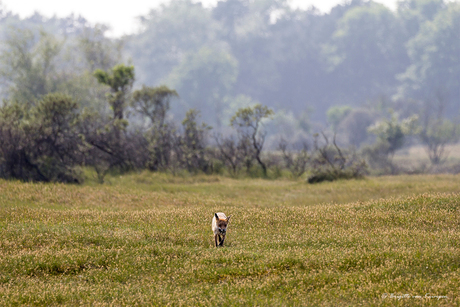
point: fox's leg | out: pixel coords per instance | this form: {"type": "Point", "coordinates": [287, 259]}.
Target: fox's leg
{"type": "Point", "coordinates": [215, 239]}
{"type": "Point", "coordinates": [222, 241]}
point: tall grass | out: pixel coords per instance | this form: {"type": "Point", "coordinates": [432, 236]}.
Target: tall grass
{"type": "Point", "coordinates": [146, 239]}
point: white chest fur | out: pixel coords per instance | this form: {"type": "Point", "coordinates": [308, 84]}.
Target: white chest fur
{"type": "Point", "coordinates": [221, 216]}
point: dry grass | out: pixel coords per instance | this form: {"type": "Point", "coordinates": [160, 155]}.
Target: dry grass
{"type": "Point", "coordinates": [416, 159]}
{"type": "Point", "coordinates": [146, 239]}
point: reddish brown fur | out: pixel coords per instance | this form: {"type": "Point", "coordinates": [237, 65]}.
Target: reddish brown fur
{"type": "Point", "coordinates": [222, 223]}
{"type": "Point", "coordinates": [219, 227]}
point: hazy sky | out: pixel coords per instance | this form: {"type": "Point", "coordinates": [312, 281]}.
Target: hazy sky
{"type": "Point", "coordinates": [121, 15]}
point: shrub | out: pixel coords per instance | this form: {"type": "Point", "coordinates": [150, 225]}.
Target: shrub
{"type": "Point", "coordinates": [42, 143]}
{"type": "Point", "coordinates": [330, 162]}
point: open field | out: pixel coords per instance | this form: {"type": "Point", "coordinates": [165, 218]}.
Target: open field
{"type": "Point", "coordinates": [145, 239]}
{"type": "Point", "coordinates": [415, 158]}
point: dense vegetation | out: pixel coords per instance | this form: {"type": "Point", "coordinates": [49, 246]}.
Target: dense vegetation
{"type": "Point", "coordinates": [263, 50]}
{"type": "Point", "coordinates": [146, 239]}
{"type": "Point", "coordinates": [330, 96]}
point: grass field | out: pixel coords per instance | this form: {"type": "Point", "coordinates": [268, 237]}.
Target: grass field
{"type": "Point", "coordinates": [145, 239]}
{"type": "Point", "coordinates": [415, 159]}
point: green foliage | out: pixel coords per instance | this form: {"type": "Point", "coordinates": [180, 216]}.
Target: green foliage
{"type": "Point", "coordinates": [233, 104]}
{"type": "Point", "coordinates": [248, 122]}
{"type": "Point", "coordinates": [34, 64]}
{"type": "Point", "coordinates": [99, 52]}
{"type": "Point", "coordinates": [29, 66]}
{"type": "Point", "coordinates": [391, 134]}
{"type": "Point", "coordinates": [170, 32]}
{"type": "Point", "coordinates": [435, 64]}
{"type": "Point", "coordinates": [393, 131]}
{"type": "Point", "coordinates": [58, 148]}
{"type": "Point", "coordinates": [251, 117]}
{"type": "Point", "coordinates": [436, 135]}
{"type": "Point", "coordinates": [222, 60]}
{"type": "Point", "coordinates": [336, 114]}
{"type": "Point", "coordinates": [153, 103]}
{"type": "Point", "coordinates": [367, 49]}
{"type": "Point", "coordinates": [203, 79]}
{"type": "Point", "coordinates": [296, 162]}
{"type": "Point", "coordinates": [289, 123]}
{"type": "Point", "coordinates": [193, 143]}
{"type": "Point", "coordinates": [12, 139]}
{"type": "Point", "coordinates": [42, 143]}
{"type": "Point", "coordinates": [414, 13]}
{"type": "Point", "coordinates": [88, 51]}
{"type": "Point", "coordinates": [120, 80]}
{"type": "Point", "coordinates": [287, 58]}
{"type": "Point", "coordinates": [329, 162]}
{"type": "Point", "coordinates": [378, 157]}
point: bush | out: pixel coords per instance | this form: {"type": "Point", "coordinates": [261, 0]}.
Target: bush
{"type": "Point", "coordinates": [330, 162]}
{"type": "Point", "coordinates": [377, 156]}
{"type": "Point", "coordinates": [41, 143]}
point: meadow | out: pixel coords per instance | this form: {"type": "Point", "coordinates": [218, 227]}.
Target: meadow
{"type": "Point", "coordinates": [145, 239]}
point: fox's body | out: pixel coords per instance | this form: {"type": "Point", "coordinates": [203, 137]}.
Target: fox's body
{"type": "Point", "coordinates": [219, 227]}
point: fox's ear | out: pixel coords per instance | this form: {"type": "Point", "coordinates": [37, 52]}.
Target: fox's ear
{"type": "Point", "coordinates": [228, 217]}
{"type": "Point", "coordinates": [215, 214]}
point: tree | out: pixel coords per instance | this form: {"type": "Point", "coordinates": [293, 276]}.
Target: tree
{"type": "Point", "coordinates": [229, 153]}
{"type": "Point", "coordinates": [248, 121]}
{"type": "Point", "coordinates": [57, 147]}
{"type": "Point", "coordinates": [336, 114]}
{"type": "Point", "coordinates": [252, 44]}
{"type": "Point", "coordinates": [354, 126]}
{"type": "Point", "coordinates": [414, 13]}
{"type": "Point", "coordinates": [193, 143]}
{"type": "Point", "coordinates": [435, 61]}
{"type": "Point", "coordinates": [204, 78]}
{"type": "Point", "coordinates": [41, 143]}
{"type": "Point", "coordinates": [330, 162]}
{"type": "Point", "coordinates": [28, 66]}
{"type": "Point", "coordinates": [228, 13]}
{"type": "Point", "coordinates": [367, 51]}
{"type": "Point", "coordinates": [35, 63]}
{"type": "Point", "coordinates": [169, 33]}
{"type": "Point", "coordinates": [99, 52]}
{"type": "Point", "coordinates": [391, 134]}
{"type": "Point", "coordinates": [296, 161]}
{"type": "Point", "coordinates": [291, 55]}
{"type": "Point", "coordinates": [435, 131]}
{"type": "Point", "coordinates": [120, 80]}
{"type": "Point", "coordinates": [436, 135]}
{"type": "Point", "coordinates": [112, 145]}
{"type": "Point", "coordinates": [13, 162]}
{"type": "Point", "coordinates": [154, 103]}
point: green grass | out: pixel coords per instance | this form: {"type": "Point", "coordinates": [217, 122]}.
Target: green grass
{"type": "Point", "coordinates": [146, 239]}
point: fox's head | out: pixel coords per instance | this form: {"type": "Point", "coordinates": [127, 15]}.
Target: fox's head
{"type": "Point", "coordinates": [222, 223]}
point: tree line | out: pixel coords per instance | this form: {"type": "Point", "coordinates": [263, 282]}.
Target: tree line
{"type": "Point", "coordinates": [301, 61]}
{"type": "Point", "coordinates": [356, 84]}
{"type": "Point", "coordinates": [52, 138]}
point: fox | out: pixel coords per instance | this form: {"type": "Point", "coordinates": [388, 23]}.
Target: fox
{"type": "Point", "coordinates": [219, 227]}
